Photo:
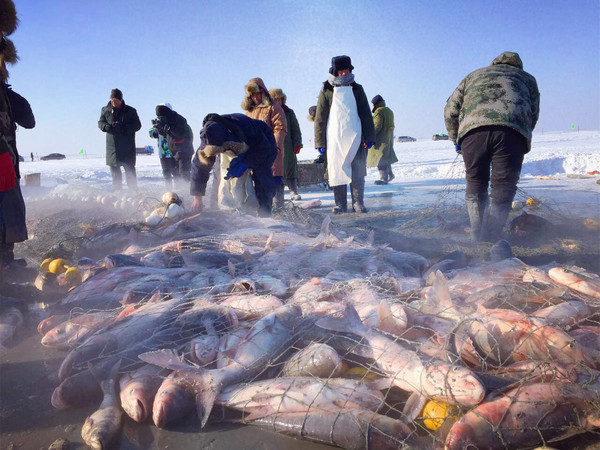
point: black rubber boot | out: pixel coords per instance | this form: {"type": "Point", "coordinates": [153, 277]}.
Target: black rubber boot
{"type": "Point", "coordinates": [292, 184]}
{"type": "Point", "coordinates": [341, 199]}
{"type": "Point", "coordinates": [495, 220]}
{"type": "Point", "coordinates": [383, 177]}
{"type": "Point", "coordinates": [357, 189]}
{"type": "Point", "coordinates": [476, 205]}
{"type": "Point", "coordinates": [278, 200]}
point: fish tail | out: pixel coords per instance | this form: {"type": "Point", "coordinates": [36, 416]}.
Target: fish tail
{"type": "Point", "coordinates": [349, 322]}
{"type": "Point", "coordinates": [208, 387]}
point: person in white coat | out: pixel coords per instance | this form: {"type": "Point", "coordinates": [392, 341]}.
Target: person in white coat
{"type": "Point", "coordinates": [344, 132]}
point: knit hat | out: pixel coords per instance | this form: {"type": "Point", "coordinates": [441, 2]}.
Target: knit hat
{"type": "Point", "coordinates": [341, 62]}
{"type": "Point", "coordinates": [116, 93]}
{"type": "Point", "coordinates": [312, 112]}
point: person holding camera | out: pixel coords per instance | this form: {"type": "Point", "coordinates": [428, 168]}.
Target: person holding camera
{"type": "Point", "coordinates": [165, 156]}
{"type": "Point", "coordinates": [179, 135]}
{"type": "Point", "coordinates": [120, 122]}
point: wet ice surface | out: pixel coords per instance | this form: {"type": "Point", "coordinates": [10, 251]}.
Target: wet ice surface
{"type": "Point", "coordinates": [429, 177]}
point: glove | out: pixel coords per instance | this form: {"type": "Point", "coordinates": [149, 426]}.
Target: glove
{"type": "Point", "coordinates": [117, 127]}
{"type": "Point", "coordinates": [297, 149]}
{"type": "Point", "coordinates": [237, 167]}
{"type": "Point", "coordinates": [368, 145]}
{"type": "Point", "coordinates": [321, 150]}
{"type": "Point", "coordinates": [458, 149]}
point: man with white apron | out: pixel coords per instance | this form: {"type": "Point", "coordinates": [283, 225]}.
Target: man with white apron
{"type": "Point", "coordinates": [344, 132]}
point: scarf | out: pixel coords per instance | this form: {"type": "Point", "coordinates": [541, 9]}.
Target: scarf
{"type": "Point", "coordinates": [346, 80]}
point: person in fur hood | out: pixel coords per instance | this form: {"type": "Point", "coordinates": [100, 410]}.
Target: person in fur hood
{"type": "Point", "coordinates": [13, 109]}
{"type": "Point", "coordinates": [258, 104]}
{"type": "Point", "coordinates": [292, 144]}
{"type": "Point", "coordinates": [243, 145]}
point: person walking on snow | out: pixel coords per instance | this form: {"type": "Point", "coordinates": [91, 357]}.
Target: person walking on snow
{"type": "Point", "coordinates": [120, 122]}
{"type": "Point", "coordinates": [382, 154]}
{"type": "Point", "coordinates": [344, 132]}
{"type": "Point", "coordinates": [490, 117]}
{"type": "Point", "coordinates": [291, 145]}
{"type": "Point", "coordinates": [258, 104]}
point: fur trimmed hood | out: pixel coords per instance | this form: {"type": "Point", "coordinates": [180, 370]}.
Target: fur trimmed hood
{"type": "Point", "coordinates": [255, 85]}
{"type": "Point", "coordinates": [276, 93]}
{"type": "Point", "coordinates": [8, 17]}
{"type": "Point", "coordinates": [207, 154]}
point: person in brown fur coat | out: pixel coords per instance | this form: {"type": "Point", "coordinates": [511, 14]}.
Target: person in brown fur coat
{"type": "Point", "coordinates": [258, 104]}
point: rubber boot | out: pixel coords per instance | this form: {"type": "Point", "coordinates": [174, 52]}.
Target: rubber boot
{"type": "Point", "coordinates": [278, 200]}
{"type": "Point", "coordinates": [357, 189]}
{"type": "Point", "coordinates": [383, 175]}
{"type": "Point", "coordinates": [476, 205]}
{"type": "Point", "coordinates": [341, 199]}
{"type": "Point", "coordinates": [293, 187]}
{"type": "Point", "coordinates": [390, 174]}
{"type": "Point", "coordinates": [495, 220]}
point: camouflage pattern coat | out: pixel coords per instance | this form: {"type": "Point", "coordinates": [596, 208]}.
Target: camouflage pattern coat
{"type": "Point", "coordinates": [382, 153]}
{"type": "Point", "coordinates": [501, 94]}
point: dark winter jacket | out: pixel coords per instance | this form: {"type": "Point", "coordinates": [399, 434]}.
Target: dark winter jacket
{"type": "Point", "coordinates": [500, 94]}
{"type": "Point", "coordinates": [120, 144]}
{"type": "Point", "coordinates": [260, 154]}
{"type": "Point", "coordinates": [293, 139]}
{"type": "Point", "coordinates": [382, 153]}
{"type": "Point", "coordinates": [12, 212]}
{"type": "Point", "coordinates": [324, 106]}
{"type": "Point", "coordinates": [179, 135]}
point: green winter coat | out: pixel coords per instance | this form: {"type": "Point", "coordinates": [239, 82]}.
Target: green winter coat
{"type": "Point", "coordinates": [293, 139]}
{"type": "Point", "coordinates": [500, 94]}
{"type": "Point", "coordinates": [120, 146]}
{"type": "Point", "coordinates": [359, 164]}
{"type": "Point", "coordinates": [382, 153]}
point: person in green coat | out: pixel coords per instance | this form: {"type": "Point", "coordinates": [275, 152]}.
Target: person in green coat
{"type": "Point", "coordinates": [344, 133]}
{"type": "Point", "coordinates": [382, 154]}
{"type": "Point", "coordinates": [120, 123]}
{"type": "Point", "coordinates": [291, 144]}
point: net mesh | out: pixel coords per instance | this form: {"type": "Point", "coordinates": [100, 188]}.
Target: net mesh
{"type": "Point", "coordinates": [339, 341]}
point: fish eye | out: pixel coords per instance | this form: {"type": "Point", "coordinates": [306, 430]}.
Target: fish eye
{"type": "Point", "coordinates": [59, 331]}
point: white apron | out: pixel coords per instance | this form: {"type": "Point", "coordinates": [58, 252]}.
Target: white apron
{"type": "Point", "coordinates": [343, 135]}
{"type": "Point", "coordinates": [235, 193]}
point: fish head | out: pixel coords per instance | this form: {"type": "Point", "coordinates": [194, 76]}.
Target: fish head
{"type": "Point", "coordinates": [453, 384]}
{"type": "Point", "coordinates": [135, 401]}
{"type": "Point", "coordinates": [562, 348]}
{"type": "Point", "coordinates": [171, 403]}
{"type": "Point", "coordinates": [90, 435]}
{"type": "Point", "coordinates": [462, 436]}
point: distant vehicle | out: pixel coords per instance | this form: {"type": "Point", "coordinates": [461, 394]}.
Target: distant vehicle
{"type": "Point", "coordinates": [440, 137]}
{"type": "Point", "coordinates": [147, 150]}
{"type": "Point", "coordinates": [21, 159]}
{"type": "Point", "coordinates": [53, 156]}
{"type": "Point", "coordinates": [405, 139]}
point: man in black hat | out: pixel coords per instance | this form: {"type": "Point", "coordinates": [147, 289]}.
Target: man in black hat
{"type": "Point", "coordinates": [344, 132]}
{"type": "Point", "coordinates": [249, 142]}
{"type": "Point", "coordinates": [120, 123]}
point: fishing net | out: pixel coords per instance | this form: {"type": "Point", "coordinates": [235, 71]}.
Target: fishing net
{"type": "Point", "coordinates": [331, 339]}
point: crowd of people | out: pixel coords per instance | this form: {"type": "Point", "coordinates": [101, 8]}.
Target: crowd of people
{"type": "Point", "coordinates": [490, 118]}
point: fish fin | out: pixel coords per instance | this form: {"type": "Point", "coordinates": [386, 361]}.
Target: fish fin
{"type": "Point", "coordinates": [441, 294]}
{"type": "Point", "coordinates": [167, 358]}
{"type": "Point", "coordinates": [414, 405]}
{"type": "Point", "coordinates": [127, 310]}
{"type": "Point", "coordinates": [268, 247]}
{"type": "Point", "coordinates": [387, 321]}
{"type": "Point", "coordinates": [325, 228]}
{"type": "Point", "coordinates": [349, 322]}
{"type": "Point", "coordinates": [207, 390]}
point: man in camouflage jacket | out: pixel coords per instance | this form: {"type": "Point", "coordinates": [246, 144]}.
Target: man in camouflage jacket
{"type": "Point", "coordinates": [490, 117]}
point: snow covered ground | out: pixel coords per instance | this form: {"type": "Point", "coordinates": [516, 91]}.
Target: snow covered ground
{"type": "Point", "coordinates": [555, 171]}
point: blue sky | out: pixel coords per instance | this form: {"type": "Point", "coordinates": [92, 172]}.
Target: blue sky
{"type": "Point", "coordinates": [198, 55]}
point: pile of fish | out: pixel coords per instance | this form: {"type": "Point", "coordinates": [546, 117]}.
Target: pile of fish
{"type": "Point", "coordinates": [232, 318]}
